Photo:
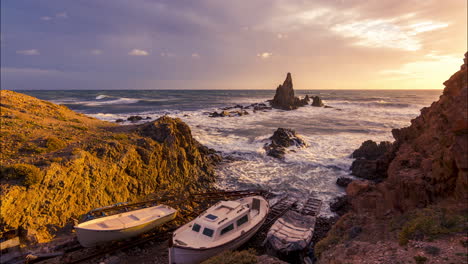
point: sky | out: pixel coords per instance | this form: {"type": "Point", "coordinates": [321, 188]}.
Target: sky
{"type": "Point", "coordinates": [242, 44]}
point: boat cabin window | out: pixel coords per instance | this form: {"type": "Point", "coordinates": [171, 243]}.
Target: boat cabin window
{"type": "Point", "coordinates": [208, 232]}
{"type": "Point", "coordinates": [196, 227]}
{"type": "Point", "coordinates": [242, 220]}
{"type": "Point", "coordinates": [227, 229]}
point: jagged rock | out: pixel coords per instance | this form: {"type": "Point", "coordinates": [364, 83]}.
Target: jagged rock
{"type": "Point", "coordinates": [340, 205]}
{"type": "Point", "coordinates": [119, 120]}
{"type": "Point", "coordinates": [221, 114]}
{"type": "Point", "coordinates": [343, 181]}
{"type": "Point", "coordinates": [283, 138]}
{"type": "Point", "coordinates": [372, 160]}
{"type": "Point", "coordinates": [284, 96]}
{"type": "Point", "coordinates": [430, 157]}
{"type": "Point", "coordinates": [371, 150]}
{"type": "Point", "coordinates": [316, 101]}
{"type": "Point", "coordinates": [135, 118]}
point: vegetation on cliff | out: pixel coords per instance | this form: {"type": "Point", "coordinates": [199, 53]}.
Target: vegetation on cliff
{"type": "Point", "coordinates": [58, 164]}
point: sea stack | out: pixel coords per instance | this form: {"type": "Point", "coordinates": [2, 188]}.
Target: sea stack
{"type": "Point", "coordinates": [284, 97]}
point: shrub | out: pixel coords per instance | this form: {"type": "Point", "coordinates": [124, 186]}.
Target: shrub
{"type": "Point", "coordinates": [29, 173]}
{"type": "Point", "coordinates": [53, 143]}
{"type": "Point", "coordinates": [429, 223]}
{"type": "Point", "coordinates": [32, 148]}
{"type": "Point", "coordinates": [234, 257]}
{"type": "Point", "coordinates": [82, 128]}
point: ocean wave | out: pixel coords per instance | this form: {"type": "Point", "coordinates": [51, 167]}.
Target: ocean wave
{"type": "Point", "coordinates": [101, 96]}
{"type": "Point", "coordinates": [110, 102]}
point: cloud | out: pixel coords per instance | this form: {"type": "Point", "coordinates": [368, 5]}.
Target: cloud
{"type": "Point", "coordinates": [28, 52]}
{"type": "Point", "coordinates": [96, 52]}
{"type": "Point", "coordinates": [61, 15]}
{"type": "Point", "coordinates": [265, 55]}
{"type": "Point", "coordinates": [46, 18]}
{"type": "Point", "coordinates": [195, 55]}
{"type": "Point", "coordinates": [138, 52]}
{"type": "Point", "coordinates": [397, 32]}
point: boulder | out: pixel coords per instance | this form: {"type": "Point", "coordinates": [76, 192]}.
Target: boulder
{"type": "Point", "coordinates": [119, 120]}
{"type": "Point", "coordinates": [343, 181]}
{"type": "Point", "coordinates": [221, 114]}
{"type": "Point", "coordinates": [372, 160]}
{"type": "Point", "coordinates": [340, 205]}
{"type": "Point", "coordinates": [135, 118]}
{"type": "Point", "coordinates": [283, 138]}
{"type": "Point", "coordinates": [317, 101]}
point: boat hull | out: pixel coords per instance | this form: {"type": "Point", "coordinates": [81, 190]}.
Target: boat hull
{"type": "Point", "coordinates": [180, 255]}
{"type": "Point", "coordinates": [90, 238]}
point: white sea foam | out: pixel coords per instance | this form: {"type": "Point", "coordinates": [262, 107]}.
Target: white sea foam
{"type": "Point", "coordinates": [332, 135]}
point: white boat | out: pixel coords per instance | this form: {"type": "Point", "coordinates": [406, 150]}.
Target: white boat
{"type": "Point", "coordinates": [124, 225]}
{"type": "Point", "coordinates": [224, 226]}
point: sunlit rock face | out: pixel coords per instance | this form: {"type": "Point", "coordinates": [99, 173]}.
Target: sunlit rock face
{"type": "Point", "coordinates": [96, 163]}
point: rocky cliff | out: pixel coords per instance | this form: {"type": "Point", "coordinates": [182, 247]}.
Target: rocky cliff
{"type": "Point", "coordinates": [58, 164]}
{"type": "Point", "coordinates": [424, 196]}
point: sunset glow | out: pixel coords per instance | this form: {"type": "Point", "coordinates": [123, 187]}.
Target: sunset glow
{"type": "Point", "coordinates": [208, 44]}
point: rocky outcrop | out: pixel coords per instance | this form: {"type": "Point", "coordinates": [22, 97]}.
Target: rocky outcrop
{"type": "Point", "coordinates": [284, 97]}
{"type": "Point", "coordinates": [225, 113]}
{"type": "Point", "coordinates": [97, 163]}
{"type": "Point", "coordinates": [372, 160]}
{"type": "Point", "coordinates": [283, 138]}
{"type": "Point", "coordinates": [317, 101]}
{"type": "Point", "coordinates": [427, 180]}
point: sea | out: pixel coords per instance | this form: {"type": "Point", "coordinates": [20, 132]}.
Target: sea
{"type": "Point", "coordinates": [331, 134]}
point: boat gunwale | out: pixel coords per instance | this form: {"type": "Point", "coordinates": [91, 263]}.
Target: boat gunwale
{"type": "Point", "coordinates": [124, 228]}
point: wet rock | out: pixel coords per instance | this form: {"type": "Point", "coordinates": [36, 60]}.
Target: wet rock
{"type": "Point", "coordinates": [343, 181]}
{"type": "Point", "coordinates": [372, 160]}
{"type": "Point", "coordinates": [327, 106]}
{"type": "Point", "coordinates": [340, 205]}
{"type": "Point", "coordinates": [119, 120]}
{"type": "Point", "coordinates": [148, 118]}
{"type": "Point", "coordinates": [283, 138]}
{"type": "Point", "coordinates": [135, 118]}
{"type": "Point", "coordinates": [317, 101]}
{"type": "Point", "coordinates": [371, 150]}
{"type": "Point", "coordinates": [221, 114]}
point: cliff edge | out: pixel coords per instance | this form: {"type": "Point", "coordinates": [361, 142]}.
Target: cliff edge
{"type": "Point", "coordinates": [422, 202]}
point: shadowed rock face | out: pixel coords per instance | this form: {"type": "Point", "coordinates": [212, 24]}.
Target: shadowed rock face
{"type": "Point", "coordinates": [372, 160]}
{"type": "Point", "coordinates": [317, 101]}
{"type": "Point", "coordinates": [284, 97]}
{"type": "Point", "coordinates": [430, 159]}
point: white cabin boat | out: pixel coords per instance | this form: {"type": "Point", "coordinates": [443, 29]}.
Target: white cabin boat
{"type": "Point", "coordinates": [124, 225]}
{"type": "Point", "coordinates": [224, 226]}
